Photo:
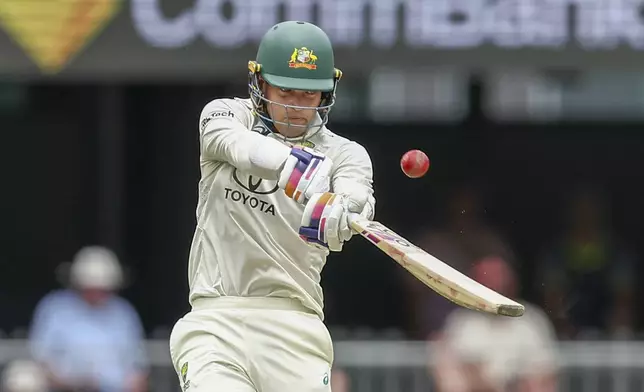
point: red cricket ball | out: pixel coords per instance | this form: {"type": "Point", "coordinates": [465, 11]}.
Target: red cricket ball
{"type": "Point", "coordinates": [414, 163]}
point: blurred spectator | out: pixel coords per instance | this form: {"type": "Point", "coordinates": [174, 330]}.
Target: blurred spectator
{"type": "Point", "coordinates": [23, 376]}
{"type": "Point", "coordinates": [340, 381]}
{"type": "Point", "coordinates": [461, 241]}
{"type": "Point", "coordinates": [87, 337]}
{"type": "Point", "coordinates": [586, 277]}
{"type": "Point", "coordinates": [479, 352]}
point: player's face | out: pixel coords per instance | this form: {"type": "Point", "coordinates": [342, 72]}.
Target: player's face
{"type": "Point", "coordinates": [297, 118]}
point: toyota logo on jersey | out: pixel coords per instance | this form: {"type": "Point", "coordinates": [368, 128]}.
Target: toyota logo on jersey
{"type": "Point", "coordinates": [255, 185]}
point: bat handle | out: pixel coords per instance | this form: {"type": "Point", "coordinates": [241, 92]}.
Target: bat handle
{"type": "Point", "coordinates": [353, 218]}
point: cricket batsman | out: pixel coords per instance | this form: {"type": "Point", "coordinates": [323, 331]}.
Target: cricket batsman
{"type": "Point", "coordinates": [276, 190]}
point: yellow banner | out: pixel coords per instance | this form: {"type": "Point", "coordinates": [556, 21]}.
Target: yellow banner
{"type": "Point", "coordinates": [52, 32]}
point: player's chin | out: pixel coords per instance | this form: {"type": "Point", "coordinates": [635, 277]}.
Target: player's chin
{"type": "Point", "coordinates": [293, 130]}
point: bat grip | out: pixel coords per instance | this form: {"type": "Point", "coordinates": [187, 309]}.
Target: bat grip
{"type": "Point", "coordinates": [353, 218]}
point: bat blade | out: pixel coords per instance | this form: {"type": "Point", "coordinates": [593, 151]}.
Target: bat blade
{"type": "Point", "coordinates": [440, 277]}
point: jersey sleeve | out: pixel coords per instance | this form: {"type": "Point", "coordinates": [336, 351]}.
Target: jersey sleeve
{"type": "Point", "coordinates": [354, 176]}
{"type": "Point", "coordinates": [225, 136]}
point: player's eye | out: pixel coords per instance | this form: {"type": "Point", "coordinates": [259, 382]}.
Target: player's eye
{"type": "Point", "coordinates": [285, 90]}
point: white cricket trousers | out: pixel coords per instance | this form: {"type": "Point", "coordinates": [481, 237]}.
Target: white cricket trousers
{"type": "Point", "coordinates": [235, 344]}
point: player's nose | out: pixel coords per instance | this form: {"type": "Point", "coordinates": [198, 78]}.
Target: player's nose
{"type": "Point", "coordinates": [294, 109]}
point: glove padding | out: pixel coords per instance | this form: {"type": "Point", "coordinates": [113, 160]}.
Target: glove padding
{"type": "Point", "coordinates": [325, 221]}
{"type": "Point", "coordinates": [305, 173]}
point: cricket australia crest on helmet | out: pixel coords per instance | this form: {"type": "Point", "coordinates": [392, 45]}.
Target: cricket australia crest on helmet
{"type": "Point", "coordinates": [303, 58]}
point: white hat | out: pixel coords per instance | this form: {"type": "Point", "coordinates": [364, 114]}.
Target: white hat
{"type": "Point", "coordinates": [96, 267]}
{"type": "Point", "coordinates": [24, 376]}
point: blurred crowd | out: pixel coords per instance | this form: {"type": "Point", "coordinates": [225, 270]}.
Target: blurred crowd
{"type": "Point", "coordinates": [583, 285]}
{"type": "Point", "coordinates": [582, 279]}
{"type": "Point", "coordinates": [85, 337]}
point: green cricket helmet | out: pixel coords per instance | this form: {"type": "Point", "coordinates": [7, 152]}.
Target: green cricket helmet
{"type": "Point", "coordinates": [294, 56]}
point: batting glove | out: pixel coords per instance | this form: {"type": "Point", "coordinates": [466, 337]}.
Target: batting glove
{"type": "Point", "coordinates": [305, 173]}
{"type": "Point", "coordinates": [325, 222]}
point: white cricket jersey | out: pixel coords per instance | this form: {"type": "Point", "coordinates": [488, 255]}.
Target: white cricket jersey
{"type": "Point", "coordinates": [246, 242]}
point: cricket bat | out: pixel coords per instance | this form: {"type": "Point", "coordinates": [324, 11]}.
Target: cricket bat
{"type": "Point", "coordinates": [440, 277]}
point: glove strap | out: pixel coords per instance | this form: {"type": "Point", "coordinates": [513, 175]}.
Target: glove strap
{"type": "Point", "coordinates": [304, 169]}
{"type": "Point", "coordinates": [314, 232]}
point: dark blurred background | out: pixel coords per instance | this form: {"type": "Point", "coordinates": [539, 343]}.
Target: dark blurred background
{"type": "Point", "coordinates": [531, 113]}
